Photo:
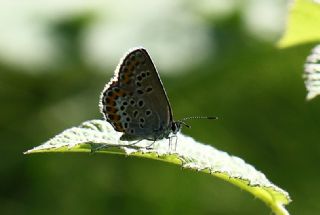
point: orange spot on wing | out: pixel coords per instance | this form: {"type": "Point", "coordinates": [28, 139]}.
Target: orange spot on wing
{"type": "Point", "coordinates": [119, 127]}
{"type": "Point", "coordinates": [121, 92]}
{"type": "Point", "coordinates": [111, 102]}
{"type": "Point", "coordinates": [116, 117]}
{"type": "Point", "coordinates": [126, 78]}
{"type": "Point", "coordinates": [111, 110]}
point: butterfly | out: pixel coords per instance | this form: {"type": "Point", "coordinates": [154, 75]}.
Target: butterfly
{"type": "Point", "coordinates": [135, 102]}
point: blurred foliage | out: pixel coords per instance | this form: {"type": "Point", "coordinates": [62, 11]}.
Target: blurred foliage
{"type": "Point", "coordinates": [253, 86]}
{"type": "Point", "coordinates": [303, 25]}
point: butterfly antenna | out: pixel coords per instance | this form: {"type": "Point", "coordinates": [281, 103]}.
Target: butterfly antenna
{"type": "Point", "coordinates": [185, 124]}
{"type": "Point", "coordinates": [182, 121]}
{"type": "Point", "coordinates": [199, 117]}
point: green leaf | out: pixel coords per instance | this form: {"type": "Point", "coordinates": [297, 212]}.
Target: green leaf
{"type": "Point", "coordinates": [303, 23]}
{"type": "Point", "coordinates": [184, 151]}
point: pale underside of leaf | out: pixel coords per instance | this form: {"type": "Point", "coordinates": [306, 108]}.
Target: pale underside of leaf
{"type": "Point", "coordinates": [312, 73]}
{"type": "Point", "coordinates": [184, 151]}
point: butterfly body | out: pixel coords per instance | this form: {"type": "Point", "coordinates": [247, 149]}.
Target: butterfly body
{"type": "Point", "coordinates": [134, 101]}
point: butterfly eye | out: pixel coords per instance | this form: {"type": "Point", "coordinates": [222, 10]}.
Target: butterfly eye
{"type": "Point", "coordinates": [175, 127]}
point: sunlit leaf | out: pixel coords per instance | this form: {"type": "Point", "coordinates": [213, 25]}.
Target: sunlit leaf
{"type": "Point", "coordinates": [303, 24]}
{"type": "Point", "coordinates": [100, 137]}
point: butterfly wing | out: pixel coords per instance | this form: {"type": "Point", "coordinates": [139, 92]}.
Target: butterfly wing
{"type": "Point", "coordinates": [134, 101]}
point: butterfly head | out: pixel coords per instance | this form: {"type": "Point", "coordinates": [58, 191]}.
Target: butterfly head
{"type": "Point", "coordinates": [176, 127]}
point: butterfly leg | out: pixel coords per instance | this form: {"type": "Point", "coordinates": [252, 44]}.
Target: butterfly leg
{"type": "Point", "coordinates": [128, 137]}
{"type": "Point", "coordinates": [134, 143]}
{"type": "Point", "coordinates": [98, 147]}
{"type": "Point", "coordinates": [150, 145]}
{"type": "Point", "coordinates": [176, 143]}
{"type": "Point", "coordinates": [95, 147]}
{"type": "Point", "coordinates": [171, 144]}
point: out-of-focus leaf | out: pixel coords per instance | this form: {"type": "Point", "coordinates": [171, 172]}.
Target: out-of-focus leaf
{"type": "Point", "coordinates": [303, 24]}
{"type": "Point", "coordinates": [312, 73]}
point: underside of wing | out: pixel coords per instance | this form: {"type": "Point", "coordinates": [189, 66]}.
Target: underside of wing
{"type": "Point", "coordinates": [134, 101]}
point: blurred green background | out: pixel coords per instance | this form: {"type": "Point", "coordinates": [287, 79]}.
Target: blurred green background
{"type": "Point", "coordinates": [215, 58]}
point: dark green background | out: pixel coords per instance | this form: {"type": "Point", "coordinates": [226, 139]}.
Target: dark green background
{"type": "Point", "coordinates": [255, 88]}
